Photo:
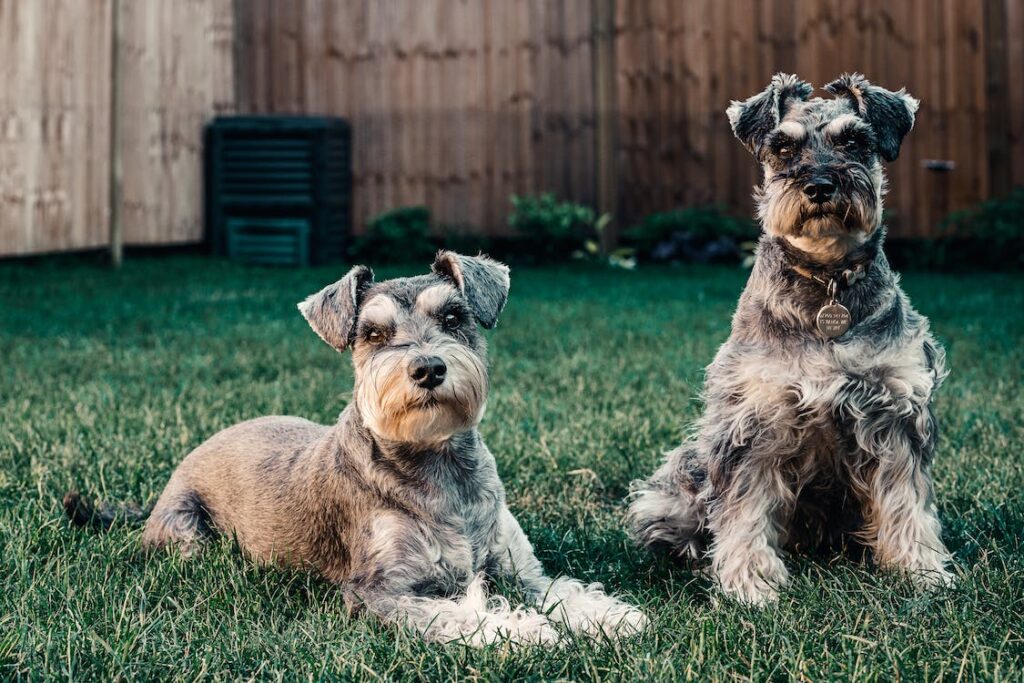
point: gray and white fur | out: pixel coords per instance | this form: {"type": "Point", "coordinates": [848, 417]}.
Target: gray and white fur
{"type": "Point", "coordinates": [399, 501]}
{"type": "Point", "coordinates": [807, 441]}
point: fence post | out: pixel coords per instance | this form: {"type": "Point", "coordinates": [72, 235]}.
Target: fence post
{"type": "Point", "coordinates": [115, 171]}
{"type": "Point", "coordinates": [997, 98]}
{"type": "Point", "coordinates": [241, 26]}
{"type": "Point", "coordinates": [605, 113]}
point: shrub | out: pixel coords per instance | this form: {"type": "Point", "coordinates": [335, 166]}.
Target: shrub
{"type": "Point", "coordinates": [700, 234]}
{"type": "Point", "coordinates": [398, 236]}
{"type": "Point", "coordinates": [988, 235]}
{"type": "Point", "coordinates": [552, 229]}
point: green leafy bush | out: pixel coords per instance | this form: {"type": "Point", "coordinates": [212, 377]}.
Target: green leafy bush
{"type": "Point", "coordinates": [552, 229]}
{"type": "Point", "coordinates": [398, 236]}
{"type": "Point", "coordinates": [988, 235]}
{"type": "Point", "coordinates": [696, 233]}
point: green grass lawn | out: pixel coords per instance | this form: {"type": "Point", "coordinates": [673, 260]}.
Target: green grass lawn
{"type": "Point", "coordinates": [109, 379]}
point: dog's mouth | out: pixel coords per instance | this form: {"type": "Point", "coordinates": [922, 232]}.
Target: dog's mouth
{"type": "Point", "coordinates": [432, 399]}
{"type": "Point", "coordinates": [830, 210]}
{"type": "Point", "coordinates": [437, 402]}
{"type": "Point", "coordinates": [829, 218]}
{"type": "Point", "coordinates": [817, 211]}
{"type": "Point", "coordinates": [429, 400]}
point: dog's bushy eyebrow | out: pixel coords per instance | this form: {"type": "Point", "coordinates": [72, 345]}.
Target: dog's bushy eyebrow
{"type": "Point", "coordinates": [781, 137]}
{"type": "Point", "coordinates": [844, 124]}
{"type": "Point", "coordinates": [379, 311]}
{"type": "Point", "coordinates": [792, 130]}
{"type": "Point", "coordinates": [436, 298]}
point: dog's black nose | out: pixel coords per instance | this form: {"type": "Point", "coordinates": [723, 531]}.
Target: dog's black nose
{"type": "Point", "coordinates": [820, 190]}
{"type": "Point", "coordinates": [428, 371]}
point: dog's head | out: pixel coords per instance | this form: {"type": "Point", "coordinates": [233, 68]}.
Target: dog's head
{"type": "Point", "coordinates": [420, 361]}
{"type": "Point", "coordinates": [822, 158]}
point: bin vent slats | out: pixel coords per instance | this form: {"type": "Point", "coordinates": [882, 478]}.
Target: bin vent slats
{"type": "Point", "coordinates": [278, 188]}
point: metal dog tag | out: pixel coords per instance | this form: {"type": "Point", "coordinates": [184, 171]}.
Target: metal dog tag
{"type": "Point", "coordinates": [833, 319]}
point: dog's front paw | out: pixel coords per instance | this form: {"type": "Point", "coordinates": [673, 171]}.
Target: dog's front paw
{"type": "Point", "coordinates": [588, 610]}
{"type": "Point", "coordinates": [496, 630]}
{"type": "Point", "coordinates": [618, 621]}
{"type": "Point", "coordinates": [932, 578]}
{"type": "Point", "coordinates": [749, 590]}
{"type": "Point", "coordinates": [926, 569]}
{"type": "Point", "coordinates": [521, 626]}
{"type": "Point", "coordinates": [755, 582]}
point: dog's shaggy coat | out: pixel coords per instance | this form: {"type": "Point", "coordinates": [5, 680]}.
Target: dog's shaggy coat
{"type": "Point", "coordinates": [805, 440]}
{"type": "Point", "coordinates": [400, 500]}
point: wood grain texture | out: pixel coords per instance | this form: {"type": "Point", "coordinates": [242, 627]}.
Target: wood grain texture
{"type": "Point", "coordinates": [54, 125]}
{"type": "Point", "coordinates": [176, 74]}
{"type": "Point", "coordinates": [454, 104]}
{"type": "Point", "coordinates": [457, 104]}
{"type": "Point", "coordinates": [679, 64]}
{"type": "Point", "coordinates": [55, 114]}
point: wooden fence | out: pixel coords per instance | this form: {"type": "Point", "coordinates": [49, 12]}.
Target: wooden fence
{"type": "Point", "coordinates": [457, 104]}
{"type": "Point", "coordinates": [679, 63]}
{"type": "Point", "coordinates": [454, 104]}
{"type": "Point", "coordinates": [56, 117]}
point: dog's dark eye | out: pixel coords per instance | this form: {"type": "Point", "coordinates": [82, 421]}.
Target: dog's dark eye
{"type": "Point", "coordinates": [376, 336]}
{"type": "Point", "coordinates": [850, 142]}
{"type": "Point", "coordinates": [785, 151]}
{"type": "Point", "coordinates": [451, 321]}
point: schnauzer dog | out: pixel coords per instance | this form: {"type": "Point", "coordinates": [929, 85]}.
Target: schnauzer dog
{"type": "Point", "coordinates": [400, 501]}
{"type": "Point", "coordinates": [818, 424]}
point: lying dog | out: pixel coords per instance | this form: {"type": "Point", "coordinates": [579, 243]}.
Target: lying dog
{"type": "Point", "coordinates": [400, 501]}
{"type": "Point", "coordinates": [818, 420]}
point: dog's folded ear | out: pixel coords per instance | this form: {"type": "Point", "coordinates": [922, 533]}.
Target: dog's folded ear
{"type": "Point", "coordinates": [757, 116]}
{"type": "Point", "coordinates": [331, 312]}
{"type": "Point", "coordinates": [890, 114]}
{"type": "Point", "coordinates": [482, 280]}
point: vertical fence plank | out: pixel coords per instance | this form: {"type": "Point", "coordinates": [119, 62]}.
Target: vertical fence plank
{"type": "Point", "coordinates": [1015, 100]}
{"type": "Point", "coordinates": [605, 101]}
{"type": "Point", "coordinates": [997, 94]}
{"type": "Point", "coordinates": [116, 177]}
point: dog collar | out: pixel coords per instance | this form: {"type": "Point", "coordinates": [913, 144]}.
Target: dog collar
{"type": "Point", "coordinates": [834, 319]}
{"type": "Point", "coordinates": [846, 276]}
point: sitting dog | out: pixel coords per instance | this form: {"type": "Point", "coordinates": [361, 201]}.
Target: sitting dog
{"type": "Point", "coordinates": [818, 424]}
{"type": "Point", "coordinates": [400, 501]}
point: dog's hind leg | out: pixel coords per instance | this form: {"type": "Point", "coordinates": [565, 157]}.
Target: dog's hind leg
{"type": "Point", "coordinates": [179, 519]}
{"type": "Point", "coordinates": [664, 511]}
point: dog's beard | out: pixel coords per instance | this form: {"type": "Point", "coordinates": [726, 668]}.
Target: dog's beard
{"type": "Point", "coordinates": [394, 408]}
{"type": "Point", "coordinates": [829, 230]}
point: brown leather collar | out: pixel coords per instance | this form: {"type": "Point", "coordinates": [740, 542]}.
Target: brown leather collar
{"type": "Point", "coordinates": [847, 277]}
{"type": "Point", "coordinates": [843, 274]}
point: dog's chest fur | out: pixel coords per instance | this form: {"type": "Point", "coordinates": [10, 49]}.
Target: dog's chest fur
{"type": "Point", "coordinates": [805, 403]}
{"type": "Point", "coordinates": [458, 510]}
{"type": "Point", "coordinates": [433, 511]}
